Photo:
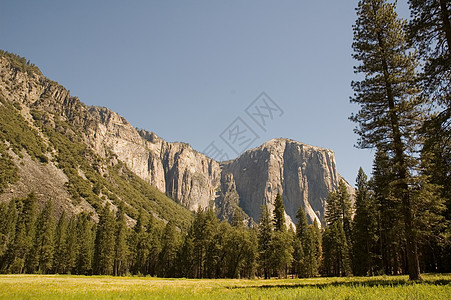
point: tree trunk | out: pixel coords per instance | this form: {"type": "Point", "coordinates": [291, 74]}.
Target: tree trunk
{"type": "Point", "coordinates": [401, 170]}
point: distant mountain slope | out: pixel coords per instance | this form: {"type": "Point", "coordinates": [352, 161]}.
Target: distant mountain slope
{"type": "Point", "coordinates": [46, 147]}
{"type": "Point", "coordinates": [82, 156]}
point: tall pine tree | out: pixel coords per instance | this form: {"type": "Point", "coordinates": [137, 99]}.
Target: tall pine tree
{"type": "Point", "coordinates": [390, 110]}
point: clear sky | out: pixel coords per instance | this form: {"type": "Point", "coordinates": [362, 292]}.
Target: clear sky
{"type": "Point", "coordinates": [187, 69]}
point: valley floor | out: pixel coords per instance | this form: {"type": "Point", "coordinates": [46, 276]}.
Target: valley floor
{"type": "Point", "coordinates": [434, 286]}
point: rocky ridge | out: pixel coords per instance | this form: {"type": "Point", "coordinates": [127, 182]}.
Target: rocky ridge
{"type": "Point", "coordinates": [302, 174]}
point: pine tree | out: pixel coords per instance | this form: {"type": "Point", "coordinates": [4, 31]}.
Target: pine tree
{"type": "Point", "coordinates": [265, 237]}
{"type": "Point", "coordinates": [140, 245]}
{"type": "Point", "coordinates": [18, 259]}
{"type": "Point", "coordinates": [153, 242]}
{"type": "Point", "coordinates": [86, 235]}
{"type": "Point", "coordinates": [104, 244]}
{"type": "Point", "coordinates": [279, 214]}
{"type": "Point", "coordinates": [71, 247]}
{"type": "Point", "coordinates": [121, 246]}
{"type": "Point", "coordinates": [60, 257]}
{"type": "Point", "coordinates": [186, 257]}
{"type": "Point", "coordinates": [7, 230]}
{"type": "Point", "coordinates": [170, 243]}
{"type": "Point", "coordinates": [390, 223]}
{"type": "Point", "coordinates": [390, 110]}
{"type": "Point", "coordinates": [365, 229]}
{"type": "Point", "coordinates": [282, 250]}
{"type": "Point", "coordinates": [212, 242]}
{"type": "Point", "coordinates": [307, 255]}
{"type": "Point", "coordinates": [42, 253]}
{"type": "Point", "coordinates": [430, 32]}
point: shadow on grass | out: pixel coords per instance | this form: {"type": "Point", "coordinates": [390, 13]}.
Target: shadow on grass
{"type": "Point", "coordinates": [363, 283]}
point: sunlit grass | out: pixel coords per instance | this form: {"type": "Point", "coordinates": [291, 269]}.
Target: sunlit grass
{"type": "Point", "coordinates": [106, 287]}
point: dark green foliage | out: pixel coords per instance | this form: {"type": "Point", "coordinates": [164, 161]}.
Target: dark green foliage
{"type": "Point", "coordinates": [170, 243]}
{"type": "Point", "coordinates": [306, 247]}
{"type": "Point", "coordinates": [71, 248]}
{"type": "Point", "coordinates": [85, 247]}
{"type": "Point", "coordinates": [18, 258]}
{"type": "Point", "coordinates": [265, 237]}
{"type": "Point", "coordinates": [43, 250]}
{"type": "Point", "coordinates": [20, 64]}
{"type": "Point", "coordinates": [365, 230]}
{"type": "Point", "coordinates": [390, 109]}
{"type": "Point", "coordinates": [430, 32]}
{"type": "Point", "coordinates": [104, 244]}
{"type": "Point", "coordinates": [16, 130]}
{"type": "Point", "coordinates": [121, 251]}
{"type": "Point", "coordinates": [336, 259]}
{"type": "Point", "coordinates": [61, 255]}
{"type": "Point", "coordinates": [279, 214]}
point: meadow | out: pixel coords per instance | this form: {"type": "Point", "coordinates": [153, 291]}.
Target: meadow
{"type": "Point", "coordinates": [434, 286]}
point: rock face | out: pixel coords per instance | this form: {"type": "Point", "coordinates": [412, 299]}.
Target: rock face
{"type": "Point", "coordinates": [302, 174]}
{"type": "Point", "coordinates": [184, 174]}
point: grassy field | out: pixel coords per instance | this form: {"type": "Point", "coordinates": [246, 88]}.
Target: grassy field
{"type": "Point", "coordinates": [105, 287]}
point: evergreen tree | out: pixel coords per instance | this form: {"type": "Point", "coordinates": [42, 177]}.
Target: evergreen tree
{"type": "Point", "coordinates": [212, 241]}
{"type": "Point", "coordinates": [153, 243]}
{"type": "Point", "coordinates": [18, 258]}
{"type": "Point", "coordinates": [186, 257]}
{"type": "Point", "coordinates": [60, 257]}
{"type": "Point", "coordinates": [104, 244]}
{"type": "Point", "coordinates": [265, 237]}
{"type": "Point", "coordinates": [279, 214]}
{"type": "Point", "coordinates": [8, 221]}
{"type": "Point", "coordinates": [430, 32]}
{"type": "Point", "coordinates": [281, 244]}
{"type": "Point", "coordinates": [365, 229]}
{"type": "Point", "coordinates": [86, 235]}
{"type": "Point", "coordinates": [390, 223]}
{"type": "Point", "coordinates": [42, 254]}
{"type": "Point", "coordinates": [140, 245]}
{"type": "Point", "coordinates": [121, 246]}
{"type": "Point", "coordinates": [70, 248]}
{"type": "Point", "coordinates": [307, 255]}
{"type": "Point", "coordinates": [170, 243]}
{"type": "Point", "coordinates": [390, 109]}
{"type": "Point", "coordinates": [336, 260]}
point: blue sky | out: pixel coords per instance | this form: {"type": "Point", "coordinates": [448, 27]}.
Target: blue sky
{"type": "Point", "coordinates": [187, 69]}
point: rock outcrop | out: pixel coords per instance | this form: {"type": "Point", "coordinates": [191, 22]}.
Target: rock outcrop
{"type": "Point", "coordinates": [302, 174]}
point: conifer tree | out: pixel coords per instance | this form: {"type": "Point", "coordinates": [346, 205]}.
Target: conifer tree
{"type": "Point", "coordinates": [18, 258]}
{"type": "Point", "coordinates": [170, 243]}
{"type": "Point", "coordinates": [140, 245]}
{"type": "Point", "coordinates": [265, 237]}
{"type": "Point", "coordinates": [390, 110]}
{"type": "Point", "coordinates": [70, 248]}
{"type": "Point", "coordinates": [43, 250]}
{"type": "Point", "coordinates": [7, 230]}
{"type": "Point", "coordinates": [365, 229]}
{"type": "Point", "coordinates": [86, 235]}
{"type": "Point", "coordinates": [60, 257]}
{"type": "Point", "coordinates": [282, 249]}
{"type": "Point", "coordinates": [104, 244]}
{"type": "Point", "coordinates": [121, 246]}
{"type": "Point", "coordinates": [279, 214]}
